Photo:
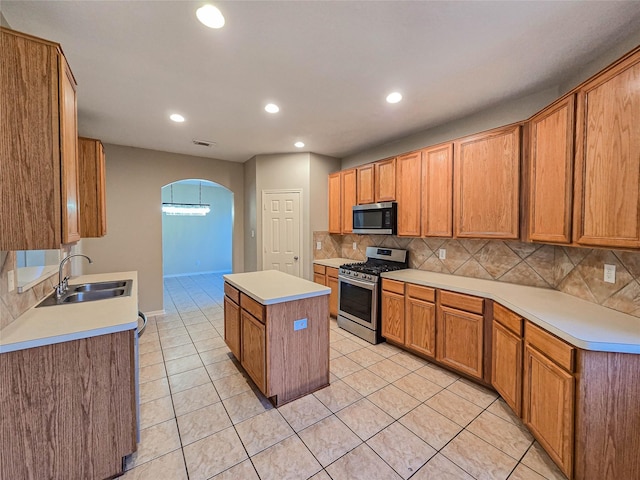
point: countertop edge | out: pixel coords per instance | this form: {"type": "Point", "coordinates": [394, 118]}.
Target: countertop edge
{"type": "Point", "coordinates": [585, 344]}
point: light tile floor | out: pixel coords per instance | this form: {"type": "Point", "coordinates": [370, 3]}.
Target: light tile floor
{"type": "Point", "coordinates": [386, 415]}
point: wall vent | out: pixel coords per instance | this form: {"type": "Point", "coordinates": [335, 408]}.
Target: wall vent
{"type": "Point", "coordinates": [204, 143]}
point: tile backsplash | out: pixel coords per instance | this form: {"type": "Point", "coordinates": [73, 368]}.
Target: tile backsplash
{"type": "Point", "coordinates": [14, 304]}
{"type": "Point", "coordinates": [575, 271]}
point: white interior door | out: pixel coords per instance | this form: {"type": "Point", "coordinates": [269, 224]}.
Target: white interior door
{"type": "Point", "coordinates": [281, 221]}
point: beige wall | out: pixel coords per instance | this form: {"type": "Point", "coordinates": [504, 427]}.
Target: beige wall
{"type": "Point", "coordinates": [250, 227]}
{"type": "Point", "coordinates": [135, 177]}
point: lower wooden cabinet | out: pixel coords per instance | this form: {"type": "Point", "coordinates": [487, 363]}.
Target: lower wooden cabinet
{"type": "Point", "coordinates": [253, 354]}
{"type": "Point", "coordinates": [506, 365]}
{"type": "Point", "coordinates": [460, 340]}
{"type": "Point", "coordinates": [392, 305]}
{"type": "Point", "coordinates": [420, 319]}
{"type": "Point", "coordinates": [232, 326]}
{"type": "Point", "coordinates": [548, 394]}
{"type": "Point", "coordinates": [332, 282]}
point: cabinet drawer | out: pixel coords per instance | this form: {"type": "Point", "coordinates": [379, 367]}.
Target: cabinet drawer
{"type": "Point", "coordinates": [319, 269]}
{"type": "Point", "coordinates": [250, 305]}
{"type": "Point", "coordinates": [393, 286]}
{"type": "Point", "coordinates": [507, 319]}
{"type": "Point", "coordinates": [462, 302]}
{"type": "Point", "coordinates": [557, 350]}
{"type": "Point", "coordinates": [421, 293]}
{"type": "Point", "coordinates": [232, 292]}
{"type": "Point", "coordinates": [332, 272]}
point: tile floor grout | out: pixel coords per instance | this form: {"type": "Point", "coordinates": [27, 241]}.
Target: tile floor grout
{"type": "Point", "coordinates": [198, 290]}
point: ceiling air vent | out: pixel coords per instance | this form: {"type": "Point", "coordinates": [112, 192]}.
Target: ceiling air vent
{"type": "Point", "coordinates": [204, 143]}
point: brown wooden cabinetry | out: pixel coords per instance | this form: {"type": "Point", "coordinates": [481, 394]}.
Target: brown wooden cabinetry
{"type": "Point", "coordinates": [420, 319]}
{"type": "Point", "coordinates": [253, 352]}
{"type": "Point", "coordinates": [68, 409]}
{"type": "Point", "coordinates": [408, 193]}
{"type": "Point", "coordinates": [365, 184]}
{"type": "Point", "coordinates": [232, 325]}
{"type": "Point", "coordinates": [551, 172]}
{"type": "Point", "coordinates": [335, 203]}
{"type": "Point", "coordinates": [385, 180]}
{"type": "Point", "coordinates": [461, 333]}
{"type": "Point", "coordinates": [548, 394]}
{"type": "Point", "coordinates": [342, 197]}
{"type": "Point", "coordinates": [486, 184]}
{"type": "Point", "coordinates": [437, 191]}
{"type": "Point", "coordinates": [91, 169]}
{"type": "Point", "coordinates": [506, 365]}
{"type": "Point", "coordinates": [38, 146]}
{"type": "Point", "coordinates": [607, 195]}
{"type": "Point", "coordinates": [332, 283]}
{"type": "Point", "coordinates": [392, 305]}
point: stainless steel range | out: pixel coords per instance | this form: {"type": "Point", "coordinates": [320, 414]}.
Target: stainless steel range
{"type": "Point", "coordinates": [360, 291]}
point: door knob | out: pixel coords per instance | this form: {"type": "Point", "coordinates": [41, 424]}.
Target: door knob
{"type": "Point", "coordinates": [295, 258]}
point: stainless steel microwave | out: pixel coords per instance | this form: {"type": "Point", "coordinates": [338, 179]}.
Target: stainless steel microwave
{"type": "Point", "coordinates": [375, 218]}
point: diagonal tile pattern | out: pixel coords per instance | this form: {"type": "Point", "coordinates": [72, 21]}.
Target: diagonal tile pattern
{"type": "Point", "coordinates": [386, 415]}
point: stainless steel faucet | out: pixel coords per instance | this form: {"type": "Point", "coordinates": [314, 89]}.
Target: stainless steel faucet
{"type": "Point", "coordinates": [62, 286]}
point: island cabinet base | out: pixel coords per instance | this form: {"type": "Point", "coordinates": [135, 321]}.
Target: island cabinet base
{"type": "Point", "coordinates": [68, 409]}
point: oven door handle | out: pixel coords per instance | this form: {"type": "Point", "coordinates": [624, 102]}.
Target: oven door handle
{"type": "Point", "coordinates": [357, 283]}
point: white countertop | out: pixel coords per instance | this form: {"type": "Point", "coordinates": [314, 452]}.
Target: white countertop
{"type": "Point", "coordinates": [272, 286]}
{"type": "Point", "coordinates": [62, 323]}
{"type": "Point", "coordinates": [335, 262]}
{"type": "Point", "coordinates": [581, 323]}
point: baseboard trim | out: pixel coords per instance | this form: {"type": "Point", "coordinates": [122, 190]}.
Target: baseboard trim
{"type": "Point", "coordinates": [155, 313]}
{"type": "Point", "coordinates": [219, 272]}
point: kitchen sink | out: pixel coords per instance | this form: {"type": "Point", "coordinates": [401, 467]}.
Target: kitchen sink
{"type": "Point", "coordinates": [90, 292]}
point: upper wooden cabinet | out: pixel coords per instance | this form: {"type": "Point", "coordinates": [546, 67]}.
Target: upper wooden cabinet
{"type": "Point", "coordinates": [365, 184]}
{"type": "Point", "coordinates": [385, 180]}
{"type": "Point", "coordinates": [38, 145]}
{"type": "Point", "coordinates": [342, 198]}
{"type": "Point", "coordinates": [408, 181]}
{"type": "Point", "coordinates": [607, 181]}
{"type": "Point", "coordinates": [437, 191]}
{"type": "Point", "coordinates": [551, 172]}
{"type": "Point", "coordinates": [486, 184]}
{"type": "Point", "coordinates": [91, 169]}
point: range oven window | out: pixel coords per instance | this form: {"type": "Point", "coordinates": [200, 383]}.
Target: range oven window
{"type": "Point", "coordinates": [356, 301]}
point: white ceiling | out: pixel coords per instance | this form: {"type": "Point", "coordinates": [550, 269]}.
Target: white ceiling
{"type": "Point", "coordinates": [327, 64]}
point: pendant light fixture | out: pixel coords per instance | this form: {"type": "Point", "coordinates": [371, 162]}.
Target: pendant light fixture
{"type": "Point", "coordinates": [187, 209]}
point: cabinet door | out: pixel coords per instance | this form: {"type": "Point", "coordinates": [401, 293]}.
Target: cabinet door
{"type": "Point", "coordinates": [365, 188]}
{"type": "Point", "coordinates": [348, 199]}
{"type": "Point", "coordinates": [506, 366]}
{"type": "Point", "coordinates": [232, 326]}
{"type": "Point", "coordinates": [385, 180]}
{"type": "Point", "coordinates": [332, 283]}
{"type": "Point", "coordinates": [486, 184]}
{"type": "Point", "coordinates": [408, 169]}
{"type": "Point", "coordinates": [551, 173]}
{"type": "Point", "coordinates": [335, 207]}
{"type": "Point", "coordinates": [393, 316]}
{"type": "Point", "coordinates": [69, 155]}
{"type": "Point", "coordinates": [548, 406]}
{"type": "Point", "coordinates": [421, 326]}
{"type": "Point", "coordinates": [460, 340]}
{"type": "Point", "coordinates": [319, 278]}
{"type": "Point", "coordinates": [92, 188]}
{"type": "Point", "coordinates": [437, 191]}
{"type": "Point", "coordinates": [254, 351]}
{"type": "Point", "coordinates": [607, 197]}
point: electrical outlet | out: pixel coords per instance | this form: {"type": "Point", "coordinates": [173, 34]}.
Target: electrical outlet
{"type": "Point", "coordinates": [442, 254]}
{"type": "Point", "coordinates": [609, 273]}
{"type": "Point", "coordinates": [355, 246]}
{"type": "Point", "coordinates": [318, 245]}
{"type": "Point", "coordinates": [11, 280]}
{"type": "Point", "coordinates": [299, 324]}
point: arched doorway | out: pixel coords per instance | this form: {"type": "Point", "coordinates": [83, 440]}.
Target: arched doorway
{"type": "Point", "coordinates": [196, 242]}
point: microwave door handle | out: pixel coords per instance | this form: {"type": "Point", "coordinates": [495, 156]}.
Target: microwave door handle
{"type": "Point", "coordinates": [358, 283]}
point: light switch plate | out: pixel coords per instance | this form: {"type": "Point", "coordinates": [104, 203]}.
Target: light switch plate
{"type": "Point", "coordinates": [318, 245]}
{"type": "Point", "coordinates": [11, 280]}
{"type": "Point", "coordinates": [609, 273]}
{"type": "Point", "coordinates": [299, 324]}
{"type": "Point", "coordinates": [442, 254]}
{"type": "Point", "coordinates": [355, 245]}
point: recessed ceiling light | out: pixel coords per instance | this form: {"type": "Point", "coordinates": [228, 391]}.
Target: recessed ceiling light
{"type": "Point", "coordinates": [394, 97]}
{"type": "Point", "coordinates": [176, 117]}
{"type": "Point", "coordinates": [210, 16]}
{"type": "Point", "coordinates": [299, 144]}
{"type": "Point", "coordinates": [272, 108]}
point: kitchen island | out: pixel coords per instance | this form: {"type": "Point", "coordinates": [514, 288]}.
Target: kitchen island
{"type": "Point", "coordinates": [277, 326]}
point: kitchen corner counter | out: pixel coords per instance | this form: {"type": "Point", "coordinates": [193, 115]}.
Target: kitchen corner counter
{"type": "Point", "coordinates": [269, 287]}
{"type": "Point", "coordinates": [63, 323]}
{"type": "Point", "coordinates": [334, 262]}
{"type": "Point", "coordinates": [581, 323]}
